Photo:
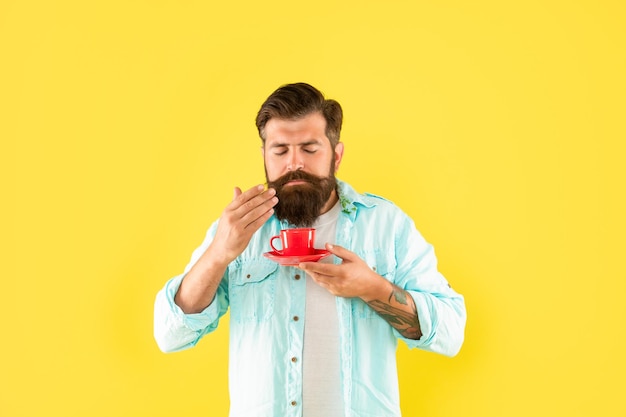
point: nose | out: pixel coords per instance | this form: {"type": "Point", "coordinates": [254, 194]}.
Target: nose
{"type": "Point", "coordinates": [295, 162]}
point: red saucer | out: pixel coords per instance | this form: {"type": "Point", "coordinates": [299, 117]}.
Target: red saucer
{"type": "Point", "coordinates": [294, 260]}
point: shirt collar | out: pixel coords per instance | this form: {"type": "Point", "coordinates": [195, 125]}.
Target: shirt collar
{"type": "Point", "coordinates": [350, 199]}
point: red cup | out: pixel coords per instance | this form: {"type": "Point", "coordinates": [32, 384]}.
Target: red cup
{"type": "Point", "coordinates": [296, 242]}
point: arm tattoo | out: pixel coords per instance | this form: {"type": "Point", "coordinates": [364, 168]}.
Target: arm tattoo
{"type": "Point", "coordinates": [400, 312]}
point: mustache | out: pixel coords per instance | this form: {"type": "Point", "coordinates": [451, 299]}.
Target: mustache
{"type": "Point", "coordinates": [295, 176]}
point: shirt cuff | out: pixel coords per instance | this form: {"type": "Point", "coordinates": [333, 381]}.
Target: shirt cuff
{"type": "Point", "coordinates": [422, 305]}
{"type": "Point", "coordinates": [193, 321]}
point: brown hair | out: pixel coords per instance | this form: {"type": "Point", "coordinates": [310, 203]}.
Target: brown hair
{"type": "Point", "coordinates": [294, 101]}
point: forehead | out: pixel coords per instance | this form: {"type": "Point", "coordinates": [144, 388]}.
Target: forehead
{"type": "Point", "coordinates": [311, 127]}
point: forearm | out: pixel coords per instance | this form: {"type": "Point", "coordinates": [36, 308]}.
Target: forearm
{"type": "Point", "coordinates": [200, 284]}
{"type": "Point", "coordinates": [397, 307]}
{"type": "Point", "coordinates": [173, 329]}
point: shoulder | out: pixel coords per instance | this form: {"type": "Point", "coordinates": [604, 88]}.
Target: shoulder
{"type": "Point", "coordinates": [368, 205]}
{"type": "Point", "coordinates": [376, 199]}
{"type": "Point", "coordinates": [349, 196]}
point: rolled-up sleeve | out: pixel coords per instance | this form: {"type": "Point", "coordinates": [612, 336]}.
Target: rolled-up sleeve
{"type": "Point", "coordinates": [173, 329]}
{"type": "Point", "coordinates": [440, 309]}
{"type": "Point", "coordinates": [442, 322]}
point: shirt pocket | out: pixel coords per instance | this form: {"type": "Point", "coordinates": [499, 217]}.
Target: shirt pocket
{"type": "Point", "coordinates": [252, 290]}
{"type": "Point", "coordinates": [384, 264]}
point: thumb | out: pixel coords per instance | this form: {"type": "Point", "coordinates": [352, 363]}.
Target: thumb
{"type": "Point", "coordinates": [340, 252]}
{"type": "Point", "coordinates": [236, 192]}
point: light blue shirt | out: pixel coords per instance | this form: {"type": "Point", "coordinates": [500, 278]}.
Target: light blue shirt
{"type": "Point", "coordinates": [267, 315]}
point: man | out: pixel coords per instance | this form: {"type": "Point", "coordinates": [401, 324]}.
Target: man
{"type": "Point", "coordinates": [318, 339]}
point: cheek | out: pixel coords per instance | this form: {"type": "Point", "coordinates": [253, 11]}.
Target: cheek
{"type": "Point", "coordinates": [272, 170]}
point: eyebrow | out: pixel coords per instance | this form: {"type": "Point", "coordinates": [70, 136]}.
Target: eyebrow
{"type": "Point", "coordinates": [307, 143]}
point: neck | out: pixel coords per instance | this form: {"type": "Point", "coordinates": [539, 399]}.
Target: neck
{"type": "Point", "coordinates": [332, 200]}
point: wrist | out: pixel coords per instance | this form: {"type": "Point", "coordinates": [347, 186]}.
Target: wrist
{"type": "Point", "coordinates": [217, 258]}
{"type": "Point", "coordinates": [377, 289]}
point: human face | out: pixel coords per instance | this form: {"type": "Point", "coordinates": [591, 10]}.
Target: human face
{"type": "Point", "coordinates": [300, 145]}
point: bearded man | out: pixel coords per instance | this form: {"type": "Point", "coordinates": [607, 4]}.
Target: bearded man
{"type": "Point", "coordinates": [317, 338]}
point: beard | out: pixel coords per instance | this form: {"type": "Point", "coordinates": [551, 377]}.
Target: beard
{"type": "Point", "coordinates": [301, 204]}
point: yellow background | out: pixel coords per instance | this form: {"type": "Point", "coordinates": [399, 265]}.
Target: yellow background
{"type": "Point", "coordinates": [498, 126]}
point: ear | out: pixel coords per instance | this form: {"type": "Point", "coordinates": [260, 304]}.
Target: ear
{"type": "Point", "coordinates": [338, 155]}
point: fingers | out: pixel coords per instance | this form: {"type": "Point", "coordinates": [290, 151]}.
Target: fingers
{"type": "Point", "coordinates": [250, 209]}
{"type": "Point", "coordinates": [341, 252]}
{"type": "Point", "coordinates": [327, 269]}
{"type": "Point", "coordinates": [245, 202]}
{"type": "Point", "coordinates": [319, 269]}
{"type": "Point", "coordinates": [327, 276]}
{"type": "Point", "coordinates": [315, 270]}
{"type": "Point", "coordinates": [258, 209]}
{"type": "Point", "coordinates": [243, 197]}
{"type": "Point", "coordinates": [257, 222]}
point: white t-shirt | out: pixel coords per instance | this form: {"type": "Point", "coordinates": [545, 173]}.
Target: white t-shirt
{"type": "Point", "coordinates": [321, 385]}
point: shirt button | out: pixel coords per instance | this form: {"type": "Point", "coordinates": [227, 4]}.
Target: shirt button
{"type": "Point", "coordinates": [248, 276]}
{"type": "Point", "coordinates": [296, 318]}
{"type": "Point", "coordinates": [297, 276]}
{"type": "Point", "coordinates": [294, 359]}
{"type": "Point", "coordinates": [293, 403]}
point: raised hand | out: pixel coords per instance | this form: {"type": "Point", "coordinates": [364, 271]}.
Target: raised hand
{"type": "Point", "coordinates": [240, 219]}
{"type": "Point", "coordinates": [247, 212]}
